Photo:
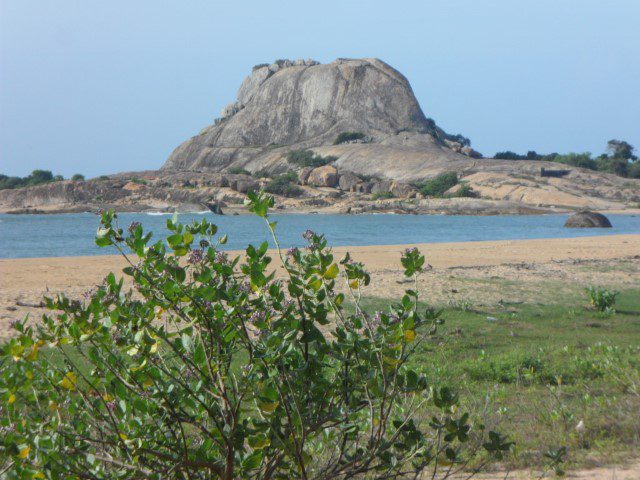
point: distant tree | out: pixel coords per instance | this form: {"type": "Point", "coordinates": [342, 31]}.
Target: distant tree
{"type": "Point", "coordinates": [77, 177]}
{"type": "Point", "coordinates": [39, 176]}
{"type": "Point", "coordinates": [620, 149]}
{"type": "Point", "coordinates": [532, 155]}
{"type": "Point", "coordinates": [508, 155]}
{"type": "Point", "coordinates": [461, 139]}
{"type": "Point", "coordinates": [58, 178]}
{"type": "Point", "coordinates": [634, 170]}
{"type": "Point", "coordinates": [582, 160]}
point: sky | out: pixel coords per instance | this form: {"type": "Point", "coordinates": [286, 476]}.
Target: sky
{"type": "Point", "coordinates": [100, 87]}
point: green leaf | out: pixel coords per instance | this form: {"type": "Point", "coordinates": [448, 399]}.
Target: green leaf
{"type": "Point", "coordinates": [332, 272]}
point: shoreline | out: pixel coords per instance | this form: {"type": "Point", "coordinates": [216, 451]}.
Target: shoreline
{"type": "Point", "coordinates": [461, 270]}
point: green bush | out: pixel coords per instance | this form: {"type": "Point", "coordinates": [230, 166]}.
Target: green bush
{"type": "Point", "coordinates": [77, 177]}
{"type": "Point", "coordinates": [284, 185]}
{"type": "Point", "coordinates": [465, 190]}
{"type": "Point", "coordinates": [262, 173]}
{"type": "Point", "coordinates": [634, 170]}
{"type": "Point", "coordinates": [238, 171]}
{"type": "Point", "coordinates": [601, 299]}
{"type": "Point", "coordinates": [37, 177]}
{"type": "Point", "coordinates": [216, 368]}
{"type": "Point", "coordinates": [382, 195]}
{"type": "Point", "coordinates": [306, 158]}
{"type": "Point", "coordinates": [582, 160]}
{"type": "Point", "coordinates": [348, 137]}
{"type": "Point", "coordinates": [438, 185]}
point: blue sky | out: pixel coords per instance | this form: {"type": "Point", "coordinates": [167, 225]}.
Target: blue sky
{"type": "Point", "coordinates": [100, 87]}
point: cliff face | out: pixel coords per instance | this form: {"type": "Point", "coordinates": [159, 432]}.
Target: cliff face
{"type": "Point", "coordinates": [305, 104]}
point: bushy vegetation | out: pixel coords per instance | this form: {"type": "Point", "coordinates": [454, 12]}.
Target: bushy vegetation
{"type": "Point", "coordinates": [77, 177]}
{"type": "Point", "coordinates": [216, 369]}
{"type": "Point", "coordinates": [601, 298]}
{"type": "Point", "coordinates": [436, 187]}
{"type": "Point", "coordinates": [345, 137]}
{"type": "Point", "coordinates": [461, 139]}
{"type": "Point", "coordinates": [37, 177]}
{"type": "Point", "coordinates": [306, 158]}
{"type": "Point", "coordinates": [238, 171]}
{"type": "Point", "coordinates": [382, 195]}
{"type": "Point", "coordinates": [262, 173]}
{"type": "Point", "coordinates": [620, 160]}
{"type": "Point", "coordinates": [284, 185]}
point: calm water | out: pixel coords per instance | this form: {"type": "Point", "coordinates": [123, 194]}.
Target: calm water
{"type": "Point", "coordinates": [72, 234]}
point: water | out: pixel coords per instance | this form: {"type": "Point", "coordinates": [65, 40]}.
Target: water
{"type": "Point", "coordinates": [72, 234]}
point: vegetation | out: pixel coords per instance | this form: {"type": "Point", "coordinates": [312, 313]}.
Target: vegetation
{"type": "Point", "coordinates": [602, 299]}
{"type": "Point", "coordinates": [620, 160]}
{"type": "Point", "coordinates": [215, 369]}
{"type": "Point", "coordinates": [539, 369]}
{"type": "Point", "coordinates": [461, 139]}
{"type": "Point", "coordinates": [77, 177]}
{"type": "Point", "coordinates": [284, 185]}
{"type": "Point", "coordinates": [306, 158]}
{"type": "Point", "coordinates": [436, 187]}
{"type": "Point", "coordinates": [238, 171]}
{"type": "Point", "coordinates": [37, 177]}
{"type": "Point", "coordinates": [345, 137]}
{"type": "Point", "coordinates": [262, 173]}
{"type": "Point", "coordinates": [382, 195]}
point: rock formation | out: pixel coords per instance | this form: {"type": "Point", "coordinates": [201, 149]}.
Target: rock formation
{"type": "Point", "coordinates": [305, 104]}
{"type": "Point", "coordinates": [587, 219]}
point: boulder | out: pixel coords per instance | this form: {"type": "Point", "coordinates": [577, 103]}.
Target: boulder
{"type": "Point", "coordinates": [348, 181]}
{"type": "Point", "coordinates": [587, 219]}
{"type": "Point", "coordinates": [470, 152]}
{"type": "Point", "coordinates": [403, 190]}
{"type": "Point", "coordinates": [325, 176]}
{"type": "Point", "coordinates": [303, 175]}
{"type": "Point", "coordinates": [244, 185]}
{"type": "Point", "coordinates": [381, 186]}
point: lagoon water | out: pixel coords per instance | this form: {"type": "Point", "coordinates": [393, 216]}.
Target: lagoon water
{"type": "Point", "coordinates": [72, 234]}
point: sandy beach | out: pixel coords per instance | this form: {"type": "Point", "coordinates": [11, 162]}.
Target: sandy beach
{"type": "Point", "coordinates": [472, 272]}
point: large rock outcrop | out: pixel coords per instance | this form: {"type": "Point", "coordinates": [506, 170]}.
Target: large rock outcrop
{"type": "Point", "coordinates": [305, 104]}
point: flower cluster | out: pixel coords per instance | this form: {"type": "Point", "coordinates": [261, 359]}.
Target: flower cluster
{"type": "Point", "coordinates": [195, 256]}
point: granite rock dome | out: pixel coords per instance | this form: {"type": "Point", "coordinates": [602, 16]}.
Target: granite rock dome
{"type": "Point", "coordinates": [306, 104]}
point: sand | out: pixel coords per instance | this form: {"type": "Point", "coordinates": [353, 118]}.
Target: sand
{"type": "Point", "coordinates": [468, 272]}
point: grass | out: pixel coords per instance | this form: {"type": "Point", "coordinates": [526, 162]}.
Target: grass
{"type": "Point", "coordinates": [535, 371]}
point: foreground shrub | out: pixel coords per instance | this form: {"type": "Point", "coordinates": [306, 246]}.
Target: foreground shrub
{"type": "Point", "coordinates": [306, 158]}
{"type": "Point", "coordinates": [211, 367]}
{"type": "Point", "coordinates": [438, 185]}
{"type": "Point", "coordinates": [601, 299]}
{"type": "Point", "coordinates": [345, 137]}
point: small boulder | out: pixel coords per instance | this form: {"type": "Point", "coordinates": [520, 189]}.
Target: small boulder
{"type": "Point", "coordinates": [587, 219]}
{"type": "Point", "coordinates": [348, 181]}
{"type": "Point", "coordinates": [244, 185]}
{"type": "Point", "coordinates": [403, 190]}
{"type": "Point", "coordinates": [303, 175]}
{"type": "Point", "coordinates": [382, 186]}
{"type": "Point", "coordinates": [325, 176]}
{"type": "Point", "coordinates": [470, 152]}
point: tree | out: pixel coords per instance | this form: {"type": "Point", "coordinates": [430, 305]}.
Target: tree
{"type": "Point", "coordinates": [39, 176]}
{"type": "Point", "coordinates": [216, 368]}
{"type": "Point", "coordinates": [77, 177]}
{"type": "Point", "coordinates": [620, 149]}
